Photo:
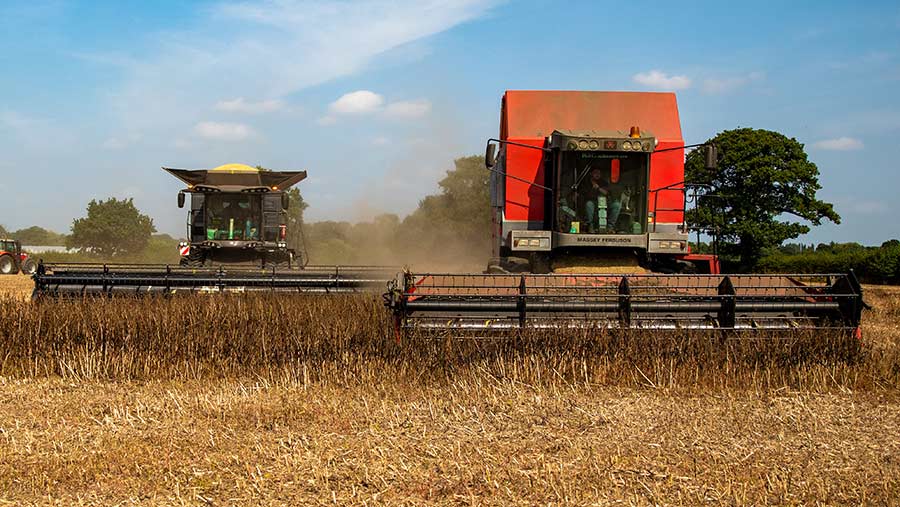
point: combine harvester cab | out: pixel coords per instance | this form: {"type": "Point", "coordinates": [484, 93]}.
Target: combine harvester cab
{"type": "Point", "coordinates": [588, 224]}
{"type": "Point", "coordinates": [237, 215]}
{"type": "Point", "coordinates": [237, 229]}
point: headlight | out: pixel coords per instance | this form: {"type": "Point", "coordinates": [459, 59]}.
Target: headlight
{"type": "Point", "coordinates": [594, 144]}
{"type": "Point", "coordinates": [534, 242]}
{"type": "Point", "coordinates": [626, 145]}
{"type": "Point", "coordinates": [583, 144]}
{"type": "Point", "coordinates": [572, 145]}
{"type": "Point", "coordinates": [646, 146]}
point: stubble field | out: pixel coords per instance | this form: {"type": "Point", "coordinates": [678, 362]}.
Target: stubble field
{"type": "Point", "coordinates": [221, 401]}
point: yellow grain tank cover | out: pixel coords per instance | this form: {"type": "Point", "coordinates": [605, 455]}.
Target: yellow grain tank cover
{"type": "Point", "coordinates": [236, 178]}
{"type": "Point", "coordinates": [235, 168]}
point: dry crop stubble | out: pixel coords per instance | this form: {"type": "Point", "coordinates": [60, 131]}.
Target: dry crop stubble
{"type": "Point", "coordinates": [290, 401]}
{"type": "Point", "coordinates": [349, 338]}
{"type": "Point", "coordinates": [16, 286]}
{"type": "Point", "coordinates": [476, 440]}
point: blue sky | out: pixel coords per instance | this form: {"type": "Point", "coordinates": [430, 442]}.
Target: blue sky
{"type": "Point", "coordinates": [376, 98]}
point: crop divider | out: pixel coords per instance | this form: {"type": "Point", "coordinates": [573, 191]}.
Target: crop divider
{"type": "Point", "coordinates": [848, 293]}
{"type": "Point", "coordinates": [220, 279]}
{"type": "Point", "coordinates": [521, 305]}
{"type": "Point", "coordinates": [727, 315]}
{"type": "Point", "coordinates": [106, 280]}
{"type": "Point", "coordinates": [624, 292]}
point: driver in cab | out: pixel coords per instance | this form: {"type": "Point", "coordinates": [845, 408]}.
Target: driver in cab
{"type": "Point", "coordinates": [593, 192]}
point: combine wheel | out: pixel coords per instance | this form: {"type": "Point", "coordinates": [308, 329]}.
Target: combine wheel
{"type": "Point", "coordinates": [495, 266]}
{"type": "Point", "coordinates": [280, 263]}
{"type": "Point", "coordinates": [508, 265]}
{"type": "Point", "coordinates": [8, 265]}
{"type": "Point", "coordinates": [29, 267]}
{"type": "Point", "coordinates": [540, 263]}
{"type": "Point", "coordinates": [194, 259]}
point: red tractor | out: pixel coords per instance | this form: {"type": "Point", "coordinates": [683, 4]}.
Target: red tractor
{"type": "Point", "coordinates": [13, 260]}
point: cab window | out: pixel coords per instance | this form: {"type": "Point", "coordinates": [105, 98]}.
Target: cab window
{"type": "Point", "coordinates": [602, 193]}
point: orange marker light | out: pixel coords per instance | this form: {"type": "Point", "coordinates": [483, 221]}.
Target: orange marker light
{"type": "Point", "coordinates": [635, 132]}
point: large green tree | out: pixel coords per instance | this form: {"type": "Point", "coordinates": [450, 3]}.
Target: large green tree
{"type": "Point", "coordinates": [763, 185]}
{"type": "Point", "coordinates": [461, 209]}
{"type": "Point", "coordinates": [295, 219]}
{"type": "Point", "coordinates": [111, 228]}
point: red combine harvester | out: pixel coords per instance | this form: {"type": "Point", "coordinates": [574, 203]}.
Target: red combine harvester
{"type": "Point", "coordinates": [596, 174]}
{"type": "Point", "coordinates": [588, 209]}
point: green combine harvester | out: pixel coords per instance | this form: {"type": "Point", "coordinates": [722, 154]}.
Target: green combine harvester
{"type": "Point", "coordinates": [237, 230]}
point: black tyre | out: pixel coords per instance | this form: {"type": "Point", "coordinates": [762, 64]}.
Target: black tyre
{"type": "Point", "coordinates": [8, 265]}
{"type": "Point", "coordinates": [29, 267]}
{"type": "Point", "coordinates": [540, 263]}
{"type": "Point", "coordinates": [279, 262]}
{"type": "Point", "coordinates": [194, 259]}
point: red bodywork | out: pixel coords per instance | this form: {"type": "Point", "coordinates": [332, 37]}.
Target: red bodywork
{"type": "Point", "coordinates": [17, 254]}
{"type": "Point", "coordinates": [530, 116]}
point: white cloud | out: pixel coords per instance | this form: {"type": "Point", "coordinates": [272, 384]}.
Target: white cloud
{"type": "Point", "coordinates": [729, 84]}
{"type": "Point", "coordinates": [659, 80]}
{"type": "Point", "coordinates": [839, 144]}
{"type": "Point", "coordinates": [270, 48]}
{"type": "Point", "coordinates": [223, 131]}
{"type": "Point", "coordinates": [408, 108]}
{"type": "Point", "coordinates": [358, 102]}
{"type": "Point", "coordinates": [240, 105]}
{"type": "Point", "coordinates": [368, 102]}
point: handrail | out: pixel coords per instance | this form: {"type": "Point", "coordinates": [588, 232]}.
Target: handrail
{"type": "Point", "coordinates": [683, 187]}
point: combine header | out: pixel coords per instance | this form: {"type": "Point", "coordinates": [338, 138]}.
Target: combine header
{"type": "Point", "coordinates": [146, 279]}
{"type": "Point", "coordinates": [588, 203]}
{"type": "Point", "coordinates": [493, 302]}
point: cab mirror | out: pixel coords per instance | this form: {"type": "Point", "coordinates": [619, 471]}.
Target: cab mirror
{"type": "Point", "coordinates": [180, 199]}
{"type": "Point", "coordinates": [712, 157]}
{"type": "Point", "coordinates": [489, 157]}
{"type": "Point", "coordinates": [285, 201]}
